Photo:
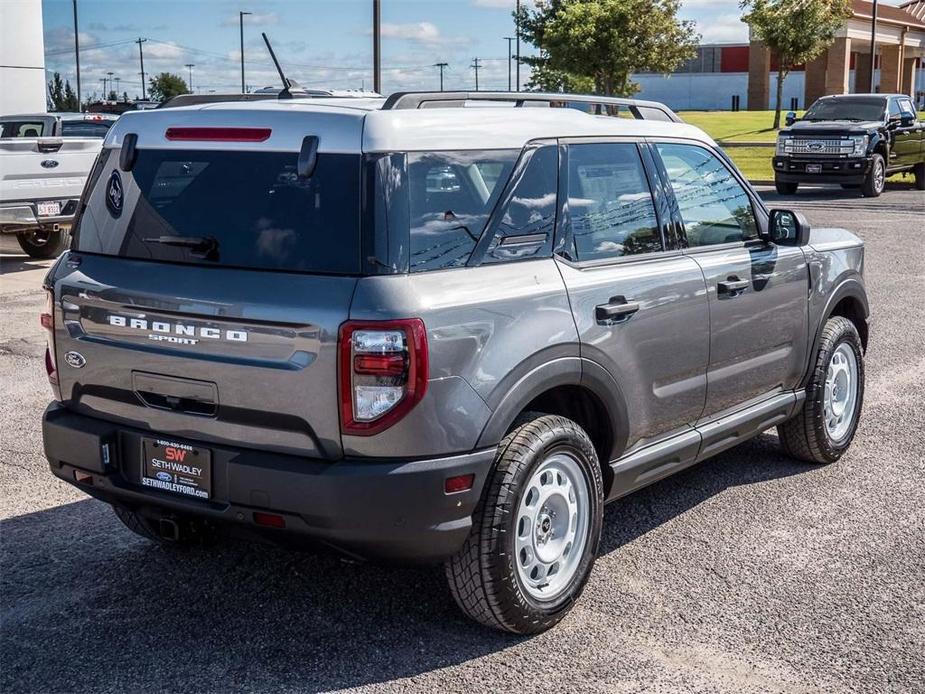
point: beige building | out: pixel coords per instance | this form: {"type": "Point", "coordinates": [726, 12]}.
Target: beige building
{"type": "Point", "coordinates": [900, 47]}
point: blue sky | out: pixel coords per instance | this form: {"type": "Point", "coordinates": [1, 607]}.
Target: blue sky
{"type": "Point", "coordinates": [322, 43]}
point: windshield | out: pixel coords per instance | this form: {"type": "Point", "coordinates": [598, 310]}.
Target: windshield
{"type": "Point", "coordinates": [22, 128]}
{"type": "Point", "coordinates": [85, 128]}
{"type": "Point", "coordinates": [846, 109]}
{"type": "Point", "coordinates": [227, 208]}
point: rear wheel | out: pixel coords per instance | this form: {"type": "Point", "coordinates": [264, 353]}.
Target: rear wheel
{"type": "Point", "coordinates": [876, 178]}
{"type": "Point", "coordinates": [919, 172]}
{"type": "Point", "coordinates": [825, 427]}
{"type": "Point", "coordinates": [786, 187]}
{"type": "Point", "coordinates": [43, 243]}
{"type": "Point", "coordinates": [535, 533]}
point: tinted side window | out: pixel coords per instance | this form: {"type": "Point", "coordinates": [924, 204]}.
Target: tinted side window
{"type": "Point", "coordinates": [451, 196]}
{"type": "Point", "coordinates": [714, 207]}
{"type": "Point", "coordinates": [894, 108]}
{"type": "Point", "coordinates": [610, 206]}
{"type": "Point", "coordinates": [526, 227]}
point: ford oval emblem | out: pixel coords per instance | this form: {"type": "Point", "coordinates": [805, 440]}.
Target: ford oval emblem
{"type": "Point", "coordinates": [49, 164]}
{"type": "Point", "coordinates": [114, 194]}
{"type": "Point", "coordinates": [815, 146]}
{"type": "Point", "coordinates": [75, 359]}
{"type": "Point", "coordinates": [164, 476]}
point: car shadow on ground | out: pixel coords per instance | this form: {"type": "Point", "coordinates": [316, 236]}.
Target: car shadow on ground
{"type": "Point", "coordinates": [13, 264]}
{"type": "Point", "coordinates": [87, 606]}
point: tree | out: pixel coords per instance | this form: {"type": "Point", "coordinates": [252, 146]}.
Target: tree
{"type": "Point", "coordinates": [62, 96]}
{"type": "Point", "coordinates": [166, 85]}
{"type": "Point", "coordinates": [797, 31]}
{"type": "Point", "coordinates": [70, 98]}
{"type": "Point", "coordinates": [605, 41]}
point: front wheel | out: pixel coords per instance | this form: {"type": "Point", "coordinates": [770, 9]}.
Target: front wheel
{"type": "Point", "coordinates": [876, 178]}
{"type": "Point", "coordinates": [43, 244]}
{"type": "Point", "coordinates": [785, 187]}
{"type": "Point", "coordinates": [535, 533]}
{"type": "Point", "coordinates": [824, 428]}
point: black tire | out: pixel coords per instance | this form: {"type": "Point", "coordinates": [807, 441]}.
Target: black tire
{"type": "Point", "coordinates": [805, 437]}
{"type": "Point", "coordinates": [919, 173]}
{"type": "Point", "coordinates": [482, 576]}
{"type": "Point", "coordinates": [786, 187]}
{"type": "Point", "coordinates": [875, 180]}
{"type": "Point", "coordinates": [190, 533]}
{"type": "Point", "coordinates": [44, 244]}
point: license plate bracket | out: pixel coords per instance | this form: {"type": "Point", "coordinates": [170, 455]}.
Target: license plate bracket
{"type": "Point", "coordinates": [49, 208]}
{"type": "Point", "coordinates": [176, 467]}
{"type": "Point", "coordinates": [814, 168]}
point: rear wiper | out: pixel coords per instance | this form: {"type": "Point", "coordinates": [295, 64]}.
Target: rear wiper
{"type": "Point", "coordinates": [206, 245]}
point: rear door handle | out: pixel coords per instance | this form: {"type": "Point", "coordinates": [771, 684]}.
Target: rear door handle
{"type": "Point", "coordinates": [732, 286]}
{"type": "Point", "coordinates": [618, 309]}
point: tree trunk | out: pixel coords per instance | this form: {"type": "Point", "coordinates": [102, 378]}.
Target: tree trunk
{"type": "Point", "coordinates": [781, 76]}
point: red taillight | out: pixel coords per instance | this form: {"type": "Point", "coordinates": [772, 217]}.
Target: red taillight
{"type": "Point", "coordinates": [47, 320]}
{"type": "Point", "coordinates": [218, 134]}
{"type": "Point", "coordinates": [270, 520]}
{"type": "Point", "coordinates": [383, 373]}
{"type": "Point", "coordinates": [460, 483]}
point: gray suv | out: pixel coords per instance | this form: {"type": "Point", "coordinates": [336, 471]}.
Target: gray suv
{"type": "Point", "coordinates": [437, 328]}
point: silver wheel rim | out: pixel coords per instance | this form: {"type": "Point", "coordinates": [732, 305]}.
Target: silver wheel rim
{"type": "Point", "coordinates": [551, 527]}
{"type": "Point", "coordinates": [879, 177]}
{"type": "Point", "coordinates": [841, 392]}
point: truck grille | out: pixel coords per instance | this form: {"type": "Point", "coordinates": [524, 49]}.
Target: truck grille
{"type": "Point", "coordinates": [820, 145]}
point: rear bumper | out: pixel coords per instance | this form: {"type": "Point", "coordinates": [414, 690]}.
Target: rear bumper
{"type": "Point", "coordinates": [369, 508]}
{"type": "Point", "coordinates": [844, 171]}
{"type": "Point", "coordinates": [22, 216]}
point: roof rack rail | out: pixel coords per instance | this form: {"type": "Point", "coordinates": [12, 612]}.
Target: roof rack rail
{"type": "Point", "coordinates": [643, 110]}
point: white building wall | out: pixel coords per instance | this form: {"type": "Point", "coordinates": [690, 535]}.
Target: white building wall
{"type": "Point", "coordinates": [22, 57]}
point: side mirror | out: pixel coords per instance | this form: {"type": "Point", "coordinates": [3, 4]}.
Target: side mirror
{"type": "Point", "coordinates": [790, 118]}
{"type": "Point", "coordinates": [906, 120]}
{"type": "Point", "coordinates": [788, 228]}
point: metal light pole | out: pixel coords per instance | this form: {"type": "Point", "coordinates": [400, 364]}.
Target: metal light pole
{"type": "Point", "coordinates": [80, 105]}
{"type": "Point", "coordinates": [377, 48]}
{"type": "Point", "coordinates": [241, 24]}
{"type": "Point", "coordinates": [441, 66]}
{"type": "Point", "coordinates": [517, 32]}
{"type": "Point", "coordinates": [509, 39]}
{"type": "Point", "coordinates": [106, 96]}
{"type": "Point", "coordinates": [873, 46]}
{"type": "Point", "coordinates": [118, 87]}
{"type": "Point", "coordinates": [190, 66]}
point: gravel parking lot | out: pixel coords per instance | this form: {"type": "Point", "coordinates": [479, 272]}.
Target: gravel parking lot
{"type": "Point", "coordinates": [747, 573]}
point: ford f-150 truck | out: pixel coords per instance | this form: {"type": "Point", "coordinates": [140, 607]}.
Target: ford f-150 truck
{"type": "Point", "coordinates": [856, 140]}
{"type": "Point", "coordinates": [44, 162]}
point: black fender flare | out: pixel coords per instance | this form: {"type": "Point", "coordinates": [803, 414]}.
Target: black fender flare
{"type": "Point", "coordinates": [850, 287]}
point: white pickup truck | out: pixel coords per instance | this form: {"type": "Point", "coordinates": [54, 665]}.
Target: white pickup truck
{"type": "Point", "coordinates": [44, 162]}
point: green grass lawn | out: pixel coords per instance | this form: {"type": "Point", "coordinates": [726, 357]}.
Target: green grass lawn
{"type": "Point", "coordinates": [741, 126]}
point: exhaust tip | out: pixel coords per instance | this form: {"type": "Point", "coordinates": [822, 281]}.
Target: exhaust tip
{"type": "Point", "coordinates": [168, 529]}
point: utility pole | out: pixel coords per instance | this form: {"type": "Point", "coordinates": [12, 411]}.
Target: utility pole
{"type": "Point", "coordinates": [110, 74]}
{"type": "Point", "coordinates": [476, 64]}
{"type": "Point", "coordinates": [241, 24]}
{"type": "Point", "coordinates": [141, 59]}
{"type": "Point", "coordinates": [441, 66]}
{"type": "Point", "coordinates": [190, 67]}
{"type": "Point", "coordinates": [377, 48]}
{"type": "Point", "coordinates": [873, 46]}
{"type": "Point", "coordinates": [118, 88]}
{"type": "Point", "coordinates": [509, 39]}
{"type": "Point", "coordinates": [517, 33]}
{"type": "Point", "coordinates": [80, 104]}
{"type": "Point", "coordinates": [103, 80]}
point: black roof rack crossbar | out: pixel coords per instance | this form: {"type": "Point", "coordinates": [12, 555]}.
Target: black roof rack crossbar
{"type": "Point", "coordinates": [643, 110]}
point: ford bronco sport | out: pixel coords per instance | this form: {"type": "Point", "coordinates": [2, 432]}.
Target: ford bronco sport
{"type": "Point", "coordinates": [425, 329]}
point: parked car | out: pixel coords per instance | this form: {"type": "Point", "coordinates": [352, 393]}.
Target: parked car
{"type": "Point", "coordinates": [45, 159]}
{"type": "Point", "coordinates": [855, 140]}
{"type": "Point", "coordinates": [417, 331]}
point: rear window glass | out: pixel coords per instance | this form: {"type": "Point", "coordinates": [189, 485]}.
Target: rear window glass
{"type": "Point", "coordinates": [451, 196]}
{"type": "Point", "coordinates": [80, 128]}
{"type": "Point", "coordinates": [238, 209]}
{"type": "Point", "coordinates": [22, 128]}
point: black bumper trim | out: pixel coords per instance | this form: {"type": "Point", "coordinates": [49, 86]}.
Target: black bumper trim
{"type": "Point", "coordinates": [372, 508]}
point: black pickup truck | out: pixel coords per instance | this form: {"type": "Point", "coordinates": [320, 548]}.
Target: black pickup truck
{"type": "Point", "coordinates": [855, 140]}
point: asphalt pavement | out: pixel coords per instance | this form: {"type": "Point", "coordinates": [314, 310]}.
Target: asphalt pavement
{"type": "Point", "coordinates": [749, 572]}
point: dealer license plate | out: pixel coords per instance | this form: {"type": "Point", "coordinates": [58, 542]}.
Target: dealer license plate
{"type": "Point", "coordinates": [176, 467]}
{"type": "Point", "coordinates": [814, 168]}
{"type": "Point", "coordinates": [49, 209]}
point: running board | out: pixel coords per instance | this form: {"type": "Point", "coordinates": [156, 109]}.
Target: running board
{"type": "Point", "coordinates": [659, 460]}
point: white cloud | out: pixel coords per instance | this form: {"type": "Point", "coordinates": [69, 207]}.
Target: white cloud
{"type": "Point", "coordinates": [425, 32]}
{"type": "Point", "coordinates": [723, 30]}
